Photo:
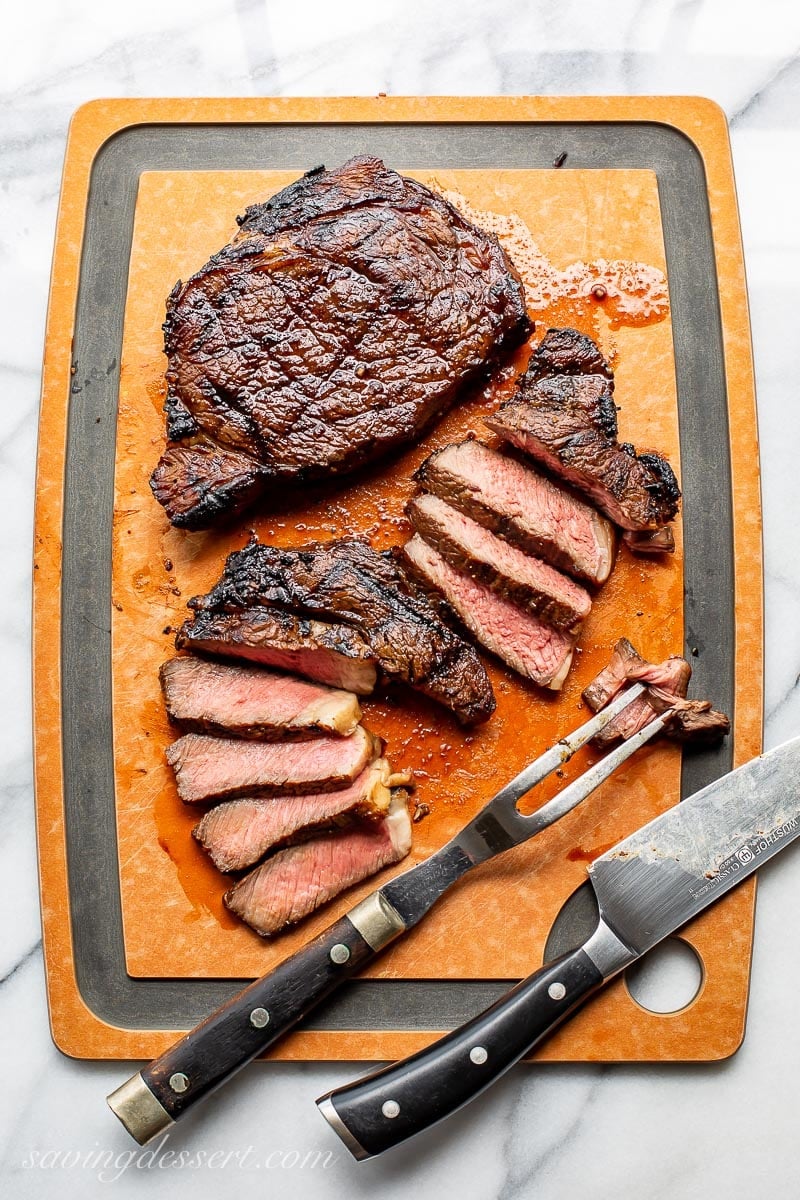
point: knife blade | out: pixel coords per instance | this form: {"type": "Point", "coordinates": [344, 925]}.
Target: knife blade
{"type": "Point", "coordinates": [247, 1024]}
{"type": "Point", "coordinates": [647, 886]}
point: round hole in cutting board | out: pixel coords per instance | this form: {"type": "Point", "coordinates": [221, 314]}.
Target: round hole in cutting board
{"type": "Point", "coordinates": [667, 979]}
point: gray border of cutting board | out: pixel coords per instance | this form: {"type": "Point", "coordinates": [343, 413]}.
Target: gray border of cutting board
{"type": "Point", "coordinates": [91, 838]}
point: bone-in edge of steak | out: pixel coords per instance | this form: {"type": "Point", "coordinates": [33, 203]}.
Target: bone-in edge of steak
{"type": "Point", "coordinates": [329, 653]}
{"type": "Point", "coordinates": [253, 702]}
{"type": "Point", "coordinates": [239, 833]}
{"type": "Point", "coordinates": [520, 639]}
{"type": "Point", "coordinates": [349, 310]}
{"type": "Point", "coordinates": [473, 550]}
{"type": "Point", "coordinates": [522, 507]}
{"type": "Point", "coordinates": [294, 882]}
{"type": "Point", "coordinates": [349, 582]}
{"type": "Point", "coordinates": [568, 423]}
{"type": "Point", "coordinates": [208, 769]}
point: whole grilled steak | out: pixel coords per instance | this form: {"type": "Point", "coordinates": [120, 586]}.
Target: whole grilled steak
{"type": "Point", "coordinates": [295, 881]}
{"type": "Point", "coordinates": [208, 769]}
{"type": "Point", "coordinates": [530, 582]}
{"type": "Point", "coordinates": [348, 582]}
{"type": "Point", "coordinates": [348, 311]}
{"type": "Point", "coordinates": [522, 507]}
{"type": "Point", "coordinates": [563, 415]}
{"type": "Point", "coordinates": [239, 833]}
{"type": "Point", "coordinates": [330, 653]}
{"type": "Point", "coordinates": [253, 702]}
{"type": "Point", "coordinates": [530, 647]}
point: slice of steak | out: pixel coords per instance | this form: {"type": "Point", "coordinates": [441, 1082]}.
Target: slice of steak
{"type": "Point", "coordinates": [329, 653]}
{"type": "Point", "coordinates": [568, 352]}
{"type": "Point", "coordinates": [697, 722]}
{"type": "Point", "coordinates": [208, 769]}
{"type": "Point", "coordinates": [253, 702]}
{"type": "Point", "coordinates": [669, 682]}
{"type": "Point", "coordinates": [295, 881]}
{"type": "Point", "coordinates": [567, 421]}
{"type": "Point", "coordinates": [520, 639]}
{"type": "Point", "coordinates": [605, 686]}
{"type": "Point", "coordinates": [349, 310]}
{"type": "Point", "coordinates": [522, 507]}
{"type": "Point", "coordinates": [239, 833]}
{"type": "Point", "coordinates": [349, 582]}
{"type": "Point", "coordinates": [473, 550]}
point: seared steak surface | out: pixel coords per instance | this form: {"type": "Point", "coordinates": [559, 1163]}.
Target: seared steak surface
{"type": "Point", "coordinates": [564, 416]}
{"type": "Point", "coordinates": [348, 582]}
{"type": "Point", "coordinates": [349, 309]}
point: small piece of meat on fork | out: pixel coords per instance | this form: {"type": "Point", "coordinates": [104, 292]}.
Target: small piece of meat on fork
{"type": "Point", "coordinates": [294, 882]}
{"type": "Point", "coordinates": [693, 720]}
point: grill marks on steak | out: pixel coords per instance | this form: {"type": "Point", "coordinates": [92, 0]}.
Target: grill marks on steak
{"type": "Point", "coordinates": [253, 702]}
{"type": "Point", "coordinates": [522, 507]}
{"type": "Point", "coordinates": [563, 415]}
{"type": "Point", "coordinates": [239, 833]}
{"type": "Point", "coordinates": [473, 550]}
{"type": "Point", "coordinates": [295, 881]}
{"type": "Point", "coordinates": [212, 768]}
{"type": "Point", "coordinates": [525, 643]}
{"type": "Point", "coordinates": [349, 582]}
{"type": "Point", "coordinates": [332, 654]}
{"type": "Point", "coordinates": [349, 310]}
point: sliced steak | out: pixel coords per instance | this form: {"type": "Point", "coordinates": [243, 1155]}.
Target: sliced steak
{"type": "Point", "coordinates": [349, 310]}
{"type": "Point", "coordinates": [530, 647]}
{"type": "Point", "coordinates": [239, 833]}
{"type": "Point", "coordinates": [330, 653]}
{"type": "Point", "coordinates": [613, 677]}
{"type": "Point", "coordinates": [697, 722]}
{"type": "Point", "coordinates": [349, 582]}
{"type": "Point", "coordinates": [473, 550]}
{"type": "Point", "coordinates": [208, 769]}
{"type": "Point", "coordinates": [650, 541]}
{"type": "Point", "coordinates": [253, 702]}
{"type": "Point", "coordinates": [522, 507]}
{"type": "Point", "coordinates": [568, 422]}
{"type": "Point", "coordinates": [297, 880]}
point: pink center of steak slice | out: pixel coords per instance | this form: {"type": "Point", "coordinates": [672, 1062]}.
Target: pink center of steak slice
{"type": "Point", "coordinates": [212, 768]}
{"type": "Point", "coordinates": [295, 881]}
{"type": "Point", "coordinates": [530, 647]}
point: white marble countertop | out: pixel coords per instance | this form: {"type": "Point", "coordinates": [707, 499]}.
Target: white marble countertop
{"type": "Point", "coordinates": [674, 1131]}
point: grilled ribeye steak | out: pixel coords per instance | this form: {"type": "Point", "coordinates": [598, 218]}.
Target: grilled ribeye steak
{"type": "Point", "coordinates": [295, 881]}
{"type": "Point", "coordinates": [528, 645]}
{"type": "Point", "coordinates": [208, 769]}
{"type": "Point", "coordinates": [563, 415]}
{"type": "Point", "coordinates": [530, 582]}
{"type": "Point", "coordinates": [522, 507]}
{"type": "Point", "coordinates": [328, 652]}
{"type": "Point", "coordinates": [239, 833]}
{"type": "Point", "coordinates": [349, 309]}
{"type": "Point", "coordinates": [348, 582]}
{"type": "Point", "coordinates": [253, 702]}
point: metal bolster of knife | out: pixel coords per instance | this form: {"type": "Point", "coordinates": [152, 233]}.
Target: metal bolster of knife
{"type": "Point", "coordinates": [377, 920]}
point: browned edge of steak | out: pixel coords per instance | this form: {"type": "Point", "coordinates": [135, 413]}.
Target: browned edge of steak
{"type": "Point", "coordinates": [521, 578]}
{"type": "Point", "coordinates": [523, 507]}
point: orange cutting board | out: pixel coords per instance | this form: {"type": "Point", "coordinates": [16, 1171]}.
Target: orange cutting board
{"type": "Point", "coordinates": [495, 924]}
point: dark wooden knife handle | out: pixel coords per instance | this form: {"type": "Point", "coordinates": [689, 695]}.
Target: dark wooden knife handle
{"type": "Point", "coordinates": [385, 1108]}
{"type": "Point", "coordinates": [238, 1031]}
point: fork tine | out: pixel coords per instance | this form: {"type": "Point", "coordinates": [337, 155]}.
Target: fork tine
{"type": "Point", "coordinates": [563, 750]}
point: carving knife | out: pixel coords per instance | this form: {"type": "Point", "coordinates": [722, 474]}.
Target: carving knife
{"type": "Point", "coordinates": [647, 887]}
{"type": "Point", "coordinates": [154, 1098]}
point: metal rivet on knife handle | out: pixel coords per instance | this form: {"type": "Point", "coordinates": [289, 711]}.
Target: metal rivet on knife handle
{"type": "Point", "coordinates": [179, 1082]}
{"type": "Point", "coordinates": [556, 991]}
{"type": "Point", "coordinates": [340, 953]}
{"type": "Point", "coordinates": [478, 1055]}
{"type": "Point", "coordinates": [259, 1017]}
{"type": "Point", "coordinates": [390, 1109]}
